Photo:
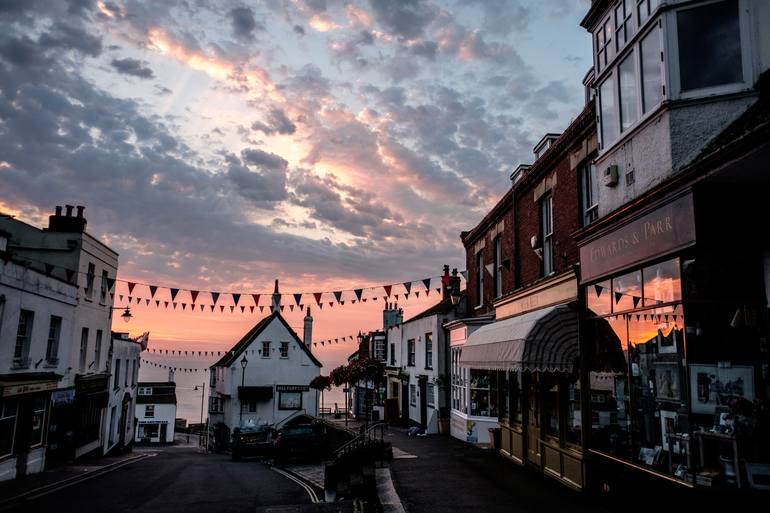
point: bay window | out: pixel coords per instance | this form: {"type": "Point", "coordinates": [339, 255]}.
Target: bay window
{"type": "Point", "coordinates": [608, 112]}
{"type": "Point", "coordinates": [652, 73]}
{"type": "Point", "coordinates": [644, 8]}
{"type": "Point", "coordinates": [483, 393]}
{"type": "Point", "coordinates": [624, 24]}
{"type": "Point", "coordinates": [629, 113]}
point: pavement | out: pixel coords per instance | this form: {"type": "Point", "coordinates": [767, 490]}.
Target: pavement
{"type": "Point", "coordinates": [440, 474]}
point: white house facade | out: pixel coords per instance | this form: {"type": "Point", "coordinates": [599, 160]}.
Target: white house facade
{"type": "Point", "coordinates": [124, 360]}
{"type": "Point", "coordinates": [36, 318]}
{"type": "Point", "coordinates": [155, 411]}
{"type": "Point", "coordinates": [263, 378]}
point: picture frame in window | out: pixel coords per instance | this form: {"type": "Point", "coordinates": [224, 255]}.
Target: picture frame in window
{"type": "Point", "coordinates": [667, 428]}
{"type": "Point", "coordinates": [668, 344]}
{"type": "Point", "coordinates": [713, 385]}
{"type": "Point", "coordinates": [667, 381]}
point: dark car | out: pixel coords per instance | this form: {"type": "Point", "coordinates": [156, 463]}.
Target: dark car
{"type": "Point", "coordinates": [252, 441]}
{"type": "Point", "coordinates": [298, 440]}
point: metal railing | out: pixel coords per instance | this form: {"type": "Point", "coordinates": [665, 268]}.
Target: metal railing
{"type": "Point", "coordinates": [365, 438]}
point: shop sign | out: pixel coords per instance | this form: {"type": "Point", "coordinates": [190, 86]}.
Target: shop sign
{"type": "Point", "coordinates": [63, 397]}
{"type": "Point", "coordinates": [292, 388]}
{"type": "Point", "coordinates": [153, 422]}
{"type": "Point", "coordinates": [29, 388]}
{"type": "Point", "coordinates": [91, 385]}
{"type": "Point", "coordinates": [664, 230]}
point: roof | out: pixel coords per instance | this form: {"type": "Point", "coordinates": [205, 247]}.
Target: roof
{"type": "Point", "coordinates": [235, 351]}
{"type": "Point", "coordinates": [597, 9]}
{"type": "Point", "coordinates": [444, 306]}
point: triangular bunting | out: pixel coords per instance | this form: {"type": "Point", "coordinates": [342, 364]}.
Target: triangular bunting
{"type": "Point", "coordinates": [320, 306]}
{"type": "Point", "coordinates": [236, 298]}
{"type": "Point", "coordinates": [417, 293]}
{"type": "Point", "coordinates": [212, 307]}
{"type": "Point", "coordinates": [438, 289]}
{"type": "Point", "coordinates": [153, 290]}
{"type": "Point", "coordinates": [215, 297]}
{"type": "Point", "coordinates": [636, 300]}
{"type": "Point", "coordinates": [331, 304]}
{"type": "Point", "coordinates": [426, 283]}
{"type": "Point", "coordinates": [598, 288]}
{"type": "Point", "coordinates": [130, 299]}
{"type": "Point", "coordinates": [406, 296]}
{"type": "Point", "coordinates": [194, 295]}
{"type": "Point", "coordinates": [388, 288]}
{"type": "Point", "coordinates": [408, 286]}
{"type": "Point", "coordinates": [251, 309]}
{"type": "Point", "coordinates": [138, 300]}
{"type": "Point", "coordinates": [232, 308]}
{"type": "Point", "coordinates": [618, 297]}
{"type": "Point", "coordinates": [291, 308]}
{"type": "Point", "coordinates": [202, 307]}
{"type": "Point", "coordinates": [255, 297]}
{"type": "Point", "coordinates": [110, 283]}
{"type": "Point", "coordinates": [174, 305]}
{"type": "Point", "coordinates": [243, 308]}
{"type": "Point", "coordinates": [297, 298]}
{"type": "Point", "coordinates": [261, 308]}
{"type": "Point", "coordinates": [166, 302]}
{"type": "Point", "coordinates": [338, 295]}
{"type": "Point", "coordinates": [358, 293]}
{"type": "Point", "coordinates": [317, 296]}
{"type": "Point", "coordinates": [222, 308]}
{"type": "Point", "coordinates": [282, 306]}
{"type": "Point", "coordinates": [174, 292]}
{"type": "Point", "coordinates": [131, 286]}
{"type": "Point", "coordinates": [147, 302]}
{"type": "Point", "coordinates": [120, 297]}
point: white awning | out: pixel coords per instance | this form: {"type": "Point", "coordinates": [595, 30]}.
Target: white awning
{"type": "Point", "coordinates": [542, 340]}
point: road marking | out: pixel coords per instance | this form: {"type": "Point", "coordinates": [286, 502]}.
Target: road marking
{"type": "Point", "coordinates": [398, 454]}
{"type": "Point", "coordinates": [308, 489]}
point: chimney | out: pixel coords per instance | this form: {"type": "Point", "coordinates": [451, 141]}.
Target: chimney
{"type": "Point", "coordinates": [276, 306]}
{"type": "Point", "coordinates": [171, 375]}
{"type": "Point", "coordinates": [445, 284]}
{"type": "Point", "coordinates": [67, 223]}
{"type": "Point", "coordinates": [307, 335]}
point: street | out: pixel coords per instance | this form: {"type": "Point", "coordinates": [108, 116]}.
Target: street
{"type": "Point", "coordinates": [178, 479]}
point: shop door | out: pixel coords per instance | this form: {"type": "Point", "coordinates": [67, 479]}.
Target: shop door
{"type": "Point", "coordinates": [533, 420]}
{"type": "Point", "coordinates": [405, 403]}
{"type": "Point", "coordinates": [162, 433]}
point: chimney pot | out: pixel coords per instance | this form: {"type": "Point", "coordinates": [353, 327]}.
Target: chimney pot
{"type": "Point", "coordinates": [69, 210]}
{"type": "Point", "coordinates": [80, 208]}
{"type": "Point", "coordinates": [58, 210]}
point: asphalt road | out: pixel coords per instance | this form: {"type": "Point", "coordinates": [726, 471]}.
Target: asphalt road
{"type": "Point", "coordinates": [179, 479]}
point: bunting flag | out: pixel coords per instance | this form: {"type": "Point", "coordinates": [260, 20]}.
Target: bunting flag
{"type": "Point", "coordinates": [417, 293]}
{"type": "Point", "coordinates": [261, 308]}
{"type": "Point", "coordinates": [315, 344]}
{"type": "Point", "coordinates": [618, 297]}
{"type": "Point", "coordinates": [243, 308]}
{"type": "Point", "coordinates": [221, 308]}
{"type": "Point", "coordinates": [636, 300]}
{"type": "Point", "coordinates": [174, 305]}
{"type": "Point", "coordinates": [598, 288]}
{"type": "Point", "coordinates": [131, 286]}
{"type": "Point", "coordinates": [215, 297]}
{"type": "Point", "coordinates": [426, 284]}
{"type": "Point", "coordinates": [388, 288]}
{"type": "Point", "coordinates": [406, 296]}
{"type": "Point", "coordinates": [291, 307]}
{"type": "Point", "coordinates": [331, 304]}
{"type": "Point", "coordinates": [407, 286]}
{"type": "Point", "coordinates": [110, 283]}
{"type": "Point", "coordinates": [317, 296]}
{"type": "Point", "coordinates": [153, 290]}
{"type": "Point", "coordinates": [251, 309]}
{"type": "Point", "coordinates": [194, 295]}
{"type": "Point", "coordinates": [166, 302]}
{"type": "Point", "coordinates": [232, 308]}
{"type": "Point", "coordinates": [147, 302]}
{"type": "Point", "coordinates": [338, 296]}
{"type": "Point", "coordinates": [138, 300]}
{"type": "Point", "coordinates": [157, 303]}
{"type": "Point", "coordinates": [322, 342]}
{"type": "Point", "coordinates": [464, 274]}
{"type": "Point", "coordinates": [236, 298]}
{"type": "Point", "coordinates": [320, 306]}
{"type": "Point", "coordinates": [129, 299]}
{"type": "Point", "coordinates": [255, 297]}
{"type": "Point", "coordinates": [281, 307]}
{"type": "Point", "coordinates": [297, 298]}
{"type": "Point", "coordinates": [358, 293]}
{"type": "Point", "coordinates": [202, 307]}
{"type": "Point", "coordinates": [174, 292]}
{"type": "Point", "coordinates": [212, 307]}
{"type": "Point", "coordinates": [438, 290]}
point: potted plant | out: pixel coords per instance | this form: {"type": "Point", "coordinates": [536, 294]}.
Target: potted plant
{"type": "Point", "coordinates": [443, 420]}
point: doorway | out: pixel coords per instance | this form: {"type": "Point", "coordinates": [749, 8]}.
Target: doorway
{"type": "Point", "coordinates": [533, 420]}
{"type": "Point", "coordinates": [423, 383]}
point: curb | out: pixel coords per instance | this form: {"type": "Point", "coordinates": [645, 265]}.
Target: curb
{"type": "Point", "coordinates": [51, 487]}
{"type": "Point", "coordinates": [386, 492]}
{"type": "Point", "coordinates": [302, 478]}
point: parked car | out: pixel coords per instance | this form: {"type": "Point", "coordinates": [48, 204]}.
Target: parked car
{"type": "Point", "coordinates": [252, 440]}
{"type": "Point", "coordinates": [298, 440]}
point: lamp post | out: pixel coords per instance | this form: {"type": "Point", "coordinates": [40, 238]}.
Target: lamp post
{"type": "Point", "coordinates": [203, 393]}
{"type": "Point", "coordinates": [126, 315]}
{"type": "Point", "coordinates": [244, 363]}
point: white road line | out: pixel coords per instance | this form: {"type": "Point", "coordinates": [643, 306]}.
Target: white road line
{"type": "Point", "coordinates": [308, 489]}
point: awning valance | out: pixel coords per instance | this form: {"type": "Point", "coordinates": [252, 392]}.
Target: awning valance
{"type": "Point", "coordinates": [542, 340]}
{"type": "Point", "coordinates": [255, 393]}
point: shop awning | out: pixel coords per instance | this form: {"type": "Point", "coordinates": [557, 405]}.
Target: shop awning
{"type": "Point", "coordinates": [255, 393]}
{"type": "Point", "coordinates": [542, 340]}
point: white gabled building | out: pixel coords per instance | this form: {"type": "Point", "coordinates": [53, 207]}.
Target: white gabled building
{"type": "Point", "coordinates": [156, 411]}
{"type": "Point", "coordinates": [263, 378]}
{"type": "Point", "coordinates": [123, 366]}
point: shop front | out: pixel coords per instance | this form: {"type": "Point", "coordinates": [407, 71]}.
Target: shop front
{"type": "Point", "coordinates": [675, 336]}
{"type": "Point", "coordinates": [24, 410]}
{"type": "Point", "coordinates": [533, 351]}
{"type": "Point", "coordinates": [91, 399]}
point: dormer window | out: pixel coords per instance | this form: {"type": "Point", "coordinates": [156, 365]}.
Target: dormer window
{"type": "Point", "coordinates": [545, 143]}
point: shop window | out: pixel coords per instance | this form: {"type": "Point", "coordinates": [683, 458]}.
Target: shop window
{"type": "Point", "coordinates": [574, 421]}
{"type": "Point", "coordinates": [709, 41]}
{"type": "Point", "coordinates": [627, 291]}
{"type": "Point", "coordinates": [599, 298]}
{"type": "Point", "coordinates": [8, 411]}
{"type": "Point", "coordinates": [38, 418]}
{"type": "Point", "coordinates": [458, 387]}
{"type": "Point", "coordinates": [652, 70]}
{"type": "Point", "coordinates": [662, 283]}
{"type": "Point", "coordinates": [608, 109]}
{"type": "Point", "coordinates": [550, 405]}
{"type": "Point", "coordinates": [483, 393]}
{"type": "Point", "coordinates": [289, 400]}
{"type": "Point", "coordinates": [629, 111]}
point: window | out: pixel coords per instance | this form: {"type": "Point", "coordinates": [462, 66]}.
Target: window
{"type": "Point", "coordinates": [83, 348]}
{"type": "Point", "coordinates": [8, 411]}
{"type": "Point", "coordinates": [265, 349]}
{"type": "Point", "coordinates": [629, 110]}
{"type": "Point", "coordinates": [709, 45]}
{"type": "Point", "coordinates": [90, 280]}
{"type": "Point", "coordinates": [145, 390]}
{"type": "Point", "coordinates": [52, 347]}
{"type": "Point", "coordinates": [284, 349]}
{"type": "Point", "coordinates": [480, 278]}
{"type": "Point", "coordinates": [458, 388]}
{"type": "Point", "coordinates": [212, 378]}
{"type": "Point", "coordinates": [249, 406]}
{"type": "Point", "coordinates": [411, 351]}
{"type": "Point", "coordinates": [604, 48]}
{"type": "Point", "coordinates": [431, 393]}
{"type": "Point", "coordinates": [644, 8]}
{"type": "Point", "coordinates": [626, 291]}
{"type": "Point", "coordinates": [546, 231]}
{"type": "Point", "coordinates": [574, 421]}
{"type": "Point", "coordinates": [125, 376]}
{"type": "Point", "coordinates": [483, 393]}
{"type": "Point", "coordinates": [215, 405]}
{"type": "Point", "coordinates": [514, 396]}
{"type": "Point", "coordinates": [116, 382]}
{"type": "Point", "coordinates": [652, 70]}
{"type": "Point", "coordinates": [38, 418]}
{"type": "Point", "coordinates": [624, 24]}
{"type": "Point", "coordinates": [498, 266]}
{"type": "Point", "coordinates": [135, 372]}
{"type": "Point", "coordinates": [23, 335]}
{"type": "Point", "coordinates": [662, 283]}
{"type": "Point", "coordinates": [413, 395]}
{"type": "Point", "coordinates": [379, 348]}
{"type": "Point", "coordinates": [103, 293]}
{"type": "Point", "coordinates": [589, 193]}
{"type": "Point", "coordinates": [429, 350]}
{"type": "Point", "coordinates": [550, 405]}
{"type": "Point", "coordinates": [608, 116]}
{"type": "Point", "coordinates": [149, 411]}
{"type": "Point", "coordinates": [392, 355]}
{"type": "Point", "coordinates": [289, 400]}
{"type": "Point", "coordinates": [98, 350]}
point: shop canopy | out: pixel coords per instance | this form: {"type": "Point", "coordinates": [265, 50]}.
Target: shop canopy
{"type": "Point", "coordinates": [542, 340]}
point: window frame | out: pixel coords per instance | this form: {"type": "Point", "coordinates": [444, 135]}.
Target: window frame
{"type": "Point", "coordinates": [589, 184]}
{"type": "Point", "coordinates": [430, 391]}
{"type": "Point", "coordinates": [103, 289]}
{"type": "Point", "coordinates": [15, 417]}
{"type": "Point", "coordinates": [149, 411]}
{"type": "Point", "coordinates": [52, 343]}
{"type": "Point", "coordinates": [744, 24]}
{"type": "Point", "coordinates": [284, 354]}
{"type": "Point", "coordinates": [98, 349]}
{"type": "Point", "coordinates": [411, 351]}
{"type": "Point", "coordinates": [116, 376]}
{"type": "Point", "coordinates": [479, 278]}
{"type": "Point", "coordinates": [265, 353]}
{"type": "Point", "coordinates": [497, 246]}
{"type": "Point", "coordinates": [627, 21]}
{"type": "Point", "coordinates": [82, 357]}
{"type": "Point", "coordinates": [546, 233]}
{"type": "Point", "coordinates": [90, 277]}
{"type": "Point", "coordinates": [413, 394]}
{"type": "Point", "coordinates": [429, 350]}
{"type": "Point", "coordinates": [23, 340]}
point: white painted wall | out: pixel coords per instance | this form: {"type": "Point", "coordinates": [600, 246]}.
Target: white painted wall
{"type": "Point", "coordinates": [296, 369]}
{"type": "Point", "coordinates": [128, 352]}
{"type": "Point", "coordinates": [163, 412]}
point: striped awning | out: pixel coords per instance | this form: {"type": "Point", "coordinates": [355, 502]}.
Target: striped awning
{"type": "Point", "coordinates": [542, 340]}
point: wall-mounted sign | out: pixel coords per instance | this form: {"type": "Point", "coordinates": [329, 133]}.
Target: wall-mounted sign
{"type": "Point", "coordinates": [28, 388]}
{"type": "Point", "coordinates": [292, 388]}
{"type": "Point", "coordinates": [664, 230]}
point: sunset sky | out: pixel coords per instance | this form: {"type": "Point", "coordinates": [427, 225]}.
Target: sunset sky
{"type": "Point", "coordinates": [331, 144]}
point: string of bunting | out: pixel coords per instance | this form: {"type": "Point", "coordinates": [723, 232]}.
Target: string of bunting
{"type": "Point", "coordinates": [175, 368]}
{"type": "Point", "coordinates": [195, 353]}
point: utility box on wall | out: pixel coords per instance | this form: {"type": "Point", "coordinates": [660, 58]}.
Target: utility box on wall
{"type": "Point", "coordinates": [611, 176]}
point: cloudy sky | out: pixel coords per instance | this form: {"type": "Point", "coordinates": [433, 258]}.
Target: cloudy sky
{"type": "Point", "coordinates": [329, 143]}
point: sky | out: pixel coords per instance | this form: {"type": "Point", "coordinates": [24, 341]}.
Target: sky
{"type": "Point", "coordinates": [331, 144]}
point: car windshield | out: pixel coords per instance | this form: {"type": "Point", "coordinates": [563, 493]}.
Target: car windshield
{"type": "Point", "coordinates": [298, 430]}
{"type": "Point", "coordinates": [254, 429]}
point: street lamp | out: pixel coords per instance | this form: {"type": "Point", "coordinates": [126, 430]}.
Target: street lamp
{"type": "Point", "coordinates": [454, 294]}
{"type": "Point", "coordinates": [126, 315]}
{"type": "Point", "coordinates": [244, 363]}
{"type": "Point", "coordinates": [203, 393]}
